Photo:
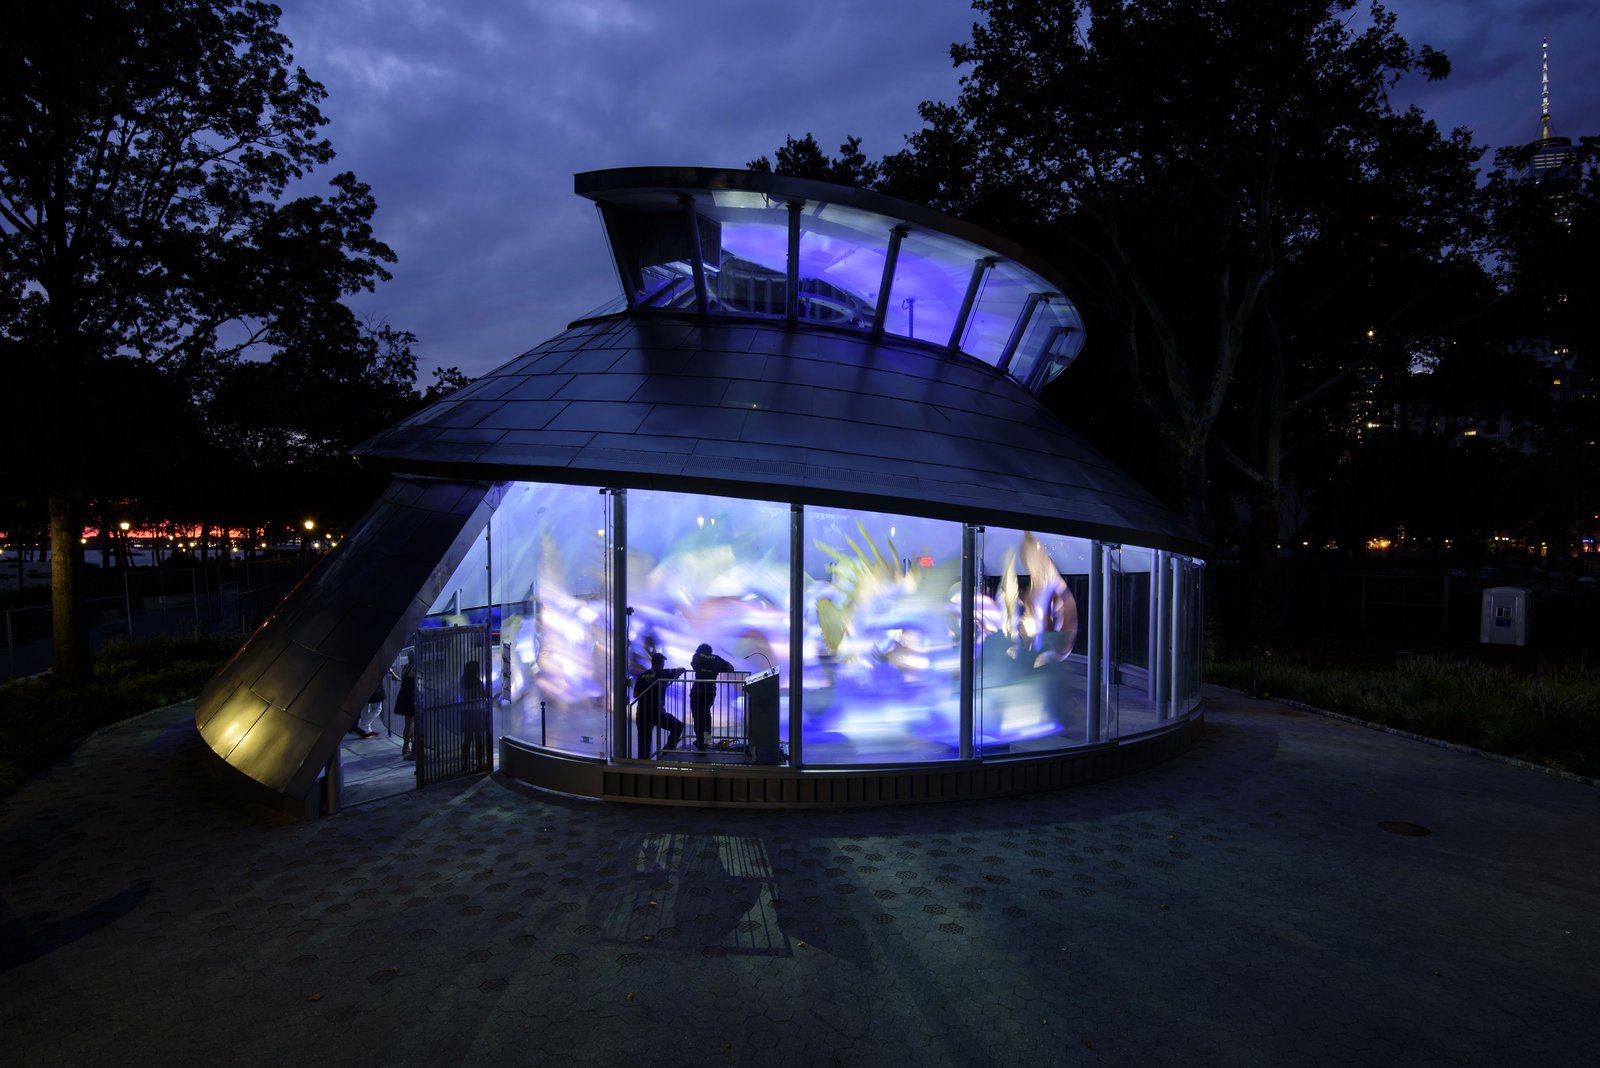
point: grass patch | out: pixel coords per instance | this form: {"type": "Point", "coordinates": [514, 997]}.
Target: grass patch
{"type": "Point", "coordinates": [1550, 718]}
{"type": "Point", "coordinates": [40, 724]}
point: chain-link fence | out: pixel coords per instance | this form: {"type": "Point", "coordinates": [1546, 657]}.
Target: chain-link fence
{"type": "Point", "coordinates": [154, 602]}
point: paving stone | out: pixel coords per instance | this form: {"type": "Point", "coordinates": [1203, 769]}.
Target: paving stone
{"type": "Point", "coordinates": [1240, 904]}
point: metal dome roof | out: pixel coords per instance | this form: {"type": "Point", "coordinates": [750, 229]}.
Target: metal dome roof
{"type": "Point", "coordinates": [764, 410]}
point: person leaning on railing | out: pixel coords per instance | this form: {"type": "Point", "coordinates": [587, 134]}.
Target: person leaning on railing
{"type": "Point", "coordinates": [650, 700]}
{"type": "Point", "coordinates": [707, 666]}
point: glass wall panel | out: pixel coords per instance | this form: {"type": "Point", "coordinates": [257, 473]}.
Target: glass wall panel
{"type": "Point", "coordinates": [882, 667]}
{"type": "Point", "coordinates": [748, 274]}
{"type": "Point", "coordinates": [1190, 637]}
{"type": "Point", "coordinates": [930, 280]}
{"type": "Point", "coordinates": [552, 616]}
{"type": "Point", "coordinates": [841, 263]}
{"type": "Point", "coordinates": [715, 571]}
{"type": "Point", "coordinates": [1054, 337]}
{"type": "Point", "coordinates": [1031, 641]}
{"type": "Point", "coordinates": [1003, 293]}
{"type": "Point", "coordinates": [1132, 672]}
{"type": "Point", "coordinates": [656, 249]}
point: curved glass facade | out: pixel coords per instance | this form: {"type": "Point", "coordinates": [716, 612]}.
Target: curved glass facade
{"type": "Point", "coordinates": [894, 639]}
{"type": "Point", "coordinates": [807, 466]}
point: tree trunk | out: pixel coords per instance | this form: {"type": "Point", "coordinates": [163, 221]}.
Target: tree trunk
{"type": "Point", "coordinates": [1192, 471]}
{"type": "Point", "coordinates": [1265, 570]}
{"type": "Point", "coordinates": [71, 663]}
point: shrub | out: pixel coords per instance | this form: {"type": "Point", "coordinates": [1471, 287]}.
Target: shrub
{"type": "Point", "coordinates": [40, 723]}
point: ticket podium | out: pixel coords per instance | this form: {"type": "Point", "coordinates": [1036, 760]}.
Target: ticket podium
{"type": "Point", "coordinates": [761, 708]}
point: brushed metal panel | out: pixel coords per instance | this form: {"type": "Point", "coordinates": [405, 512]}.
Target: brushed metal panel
{"type": "Point", "coordinates": [644, 332]}
{"type": "Point", "coordinates": [286, 674]}
{"type": "Point", "coordinates": [535, 388]}
{"type": "Point", "coordinates": [470, 435]}
{"type": "Point", "coordinates": [328, 700]}
{"type": "Point", "coordinates": [643, 443]}
{"type": "Point", "coordinates": [806, 372]}
{"type": "Point", "coordinates": [687, 389]}
{"type": "Point", "coordinates": [487, 389]}
{"type": "Point", "coordinates": [229, 719]}
{"type": "Point", "coordinates": [722, 338]}
{"type": "Point", "coordinates": [665, 363]}
{"type": "Point", "coordinates": [588, 362]}
{"type": "Point", "coordinates": [573, 439]}
{"type": "Point", "coordinates": [734, 365]}
{"type": "Point", "coordinates": [619, 417]}
{"type": "Point", "coordinates": [776, 396]}
{"type": "Point", "coordinates": [601, 387]}
{"type": "Point", "coordinates": [451, 452]}
{"type": "Point", "coordinates": [278, 741]}
{"type": "Point", "coordinates": [281, 728]}
{"type": "Point", "coordinates": [527, 414]}
{"type": "Point", "coordinates": [226, 688]}
{"type": "Point", "coordinates": [636, 461]}
{"type": "Point", "coordinates": [926, 430]}
{"type": "Point", "coordinates": [695, 422]}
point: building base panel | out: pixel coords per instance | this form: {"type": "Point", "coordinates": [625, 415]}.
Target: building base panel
{"type": "Point", "coordinates": [747, 786]}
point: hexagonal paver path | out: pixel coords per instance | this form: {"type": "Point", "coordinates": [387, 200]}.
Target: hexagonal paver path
{"type": "Point", "coordinates": [1244, 904]}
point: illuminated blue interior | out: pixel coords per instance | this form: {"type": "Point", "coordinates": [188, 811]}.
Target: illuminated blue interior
{"type": "Point", "coordinates": [724, 251]}
{"type": "Point", "coordinates": [883, 656]}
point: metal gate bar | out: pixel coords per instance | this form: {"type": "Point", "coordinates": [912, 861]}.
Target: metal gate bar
{"type": "Point", "coordinates": [455, 722]}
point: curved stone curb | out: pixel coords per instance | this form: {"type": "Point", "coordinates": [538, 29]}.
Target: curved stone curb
{"type": "Point", "coordinates": [135, 718]}
{"type": "Point", "coordinates": [1516, 762]}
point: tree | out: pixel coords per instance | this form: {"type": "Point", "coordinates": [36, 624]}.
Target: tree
{"type": "Point", "coordinates": [278, 432]}
{"type": "Point", "coordinates": [1546, 228]}
{"type": "Point", "coordinates": [148, 152]}
{"type": "Point", "coordinates": [806, 159]}
{"type": "Point", "coordinates": [446, 380]}
{"type": "Point", "coordinates": [1256, 230]}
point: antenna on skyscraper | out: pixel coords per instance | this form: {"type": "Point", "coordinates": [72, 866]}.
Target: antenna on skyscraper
{"type": "Point", "coordinates": [1544, 111]}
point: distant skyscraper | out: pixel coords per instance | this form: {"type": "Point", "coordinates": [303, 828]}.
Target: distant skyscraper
{"type": "Point", "coordinates": [1547, 155]}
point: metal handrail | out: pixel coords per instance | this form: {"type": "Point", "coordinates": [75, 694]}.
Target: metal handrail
{"type": "Point", "coordinates": [726, 734]}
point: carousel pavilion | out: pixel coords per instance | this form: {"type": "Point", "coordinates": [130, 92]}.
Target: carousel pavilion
{"type": "Point", "coordinates": [807, 437]}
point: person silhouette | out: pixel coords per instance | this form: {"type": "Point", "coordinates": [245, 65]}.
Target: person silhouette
{"type": "Point", "coordinates": [650, 700]}
{"type": "Point", "coordinates": [707, 666]}
{"type": "Point", "coordinates": [475, 722]}
{"type": "Point", "coordinates": [405, 706]}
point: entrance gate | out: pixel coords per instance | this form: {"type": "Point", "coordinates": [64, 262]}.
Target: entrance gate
{"type": "Point", "coordinates": [455, 720]}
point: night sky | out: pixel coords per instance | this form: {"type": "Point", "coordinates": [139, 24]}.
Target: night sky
{"type": "Point", "coordinates": [469, 118]}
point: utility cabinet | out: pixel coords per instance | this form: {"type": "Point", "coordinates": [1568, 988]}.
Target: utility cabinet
{"type": "Point", "coordinates": [1505, 616]}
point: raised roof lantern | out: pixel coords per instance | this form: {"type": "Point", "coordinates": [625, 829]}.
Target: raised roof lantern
{"type": "Point", "coordinates": [772, 247]}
